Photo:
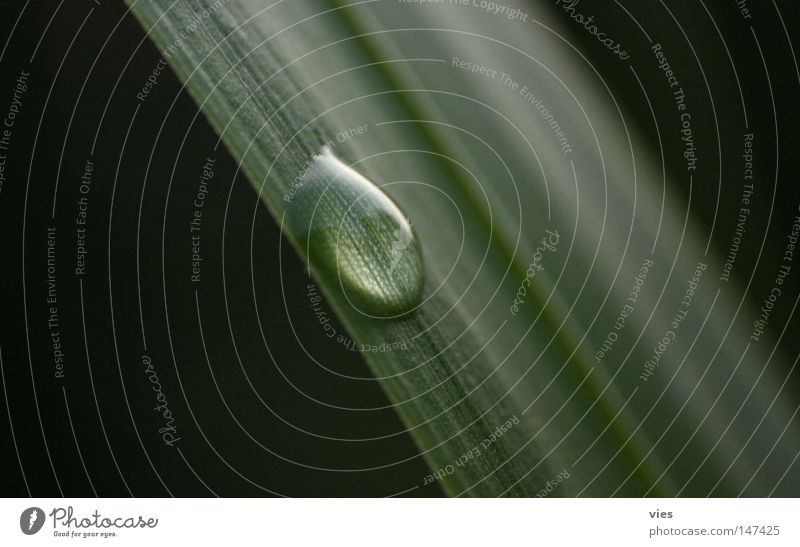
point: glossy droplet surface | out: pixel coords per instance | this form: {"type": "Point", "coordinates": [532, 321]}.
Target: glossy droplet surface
{"type": "Point", "coordinates": [355, 236]}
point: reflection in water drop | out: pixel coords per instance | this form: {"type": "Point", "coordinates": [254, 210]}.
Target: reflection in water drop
{"type": "Point", "coordinates": [356, 237]}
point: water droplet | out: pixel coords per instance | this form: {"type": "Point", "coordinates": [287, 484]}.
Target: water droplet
{"type": "Point", "coordinates": [356, 237]}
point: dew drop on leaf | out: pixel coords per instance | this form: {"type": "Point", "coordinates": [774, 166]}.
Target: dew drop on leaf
{"type": "Point", "coordinates": [355, 238]}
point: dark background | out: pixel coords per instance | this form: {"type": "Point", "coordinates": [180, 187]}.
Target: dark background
{"type": "Point", "coordinates": [94, 431]}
